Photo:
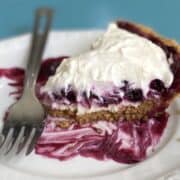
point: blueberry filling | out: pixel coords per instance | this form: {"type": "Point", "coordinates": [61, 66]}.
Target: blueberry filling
{"type": "Point", "coordinates": [93, 96]}
{"type": "Point", "coordinates": [112, 99]}
{"type": "Point", "coordinates": [57, 96]}
{"type": "Point", "coordinates": [86, 100]}
{"type": "Point", "coordinates": [157, 85]}
{"type": "Point", "coordinates": [125, 86]}
{"type": "Point", "coordinates": [48, 68]}
{"type": "Point", "coordinates": [134, 95]}
{"type": "Point", "coordinates": [71, 96]}
{"type": "Point", "coordinates": [63, 93]}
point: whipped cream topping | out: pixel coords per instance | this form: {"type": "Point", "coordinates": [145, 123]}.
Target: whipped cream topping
{"type": "Point", "coordinates": [116, 56]}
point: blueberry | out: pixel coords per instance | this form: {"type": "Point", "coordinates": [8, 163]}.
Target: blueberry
{"type": "Point", "coordinates": [107, 101]}
{"type": "Point", "coordinates": [125, 86]}
{"type": "Point", "coordinates": [84, 94]}
{"type": "Point", "coordinates": [63, 92]}
{"type": "Point", "coordinates": [86, 100]}
{"type": "Point", "coordinates": [125, 82]}
{"type": "Point", "coordinates": [157, 85]}
{"type": "Point", "coordinates": [134, 95]}
{"type": "Point", "coordinates": [93, 96]}
{"type": "Point", "coordinates": [71, 96]}
{"type": "Point", "coordinates": [57, 96]}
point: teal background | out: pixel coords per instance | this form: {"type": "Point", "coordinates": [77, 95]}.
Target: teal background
{"type": "Point", "coordinates": [16, 16]}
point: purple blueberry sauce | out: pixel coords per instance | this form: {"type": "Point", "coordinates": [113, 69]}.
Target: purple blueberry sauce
{"type": "Point", "coordinates": [124, 142]}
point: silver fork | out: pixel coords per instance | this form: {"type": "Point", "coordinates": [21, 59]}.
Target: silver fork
{"type": "Point", "coordinates": [26, 117]}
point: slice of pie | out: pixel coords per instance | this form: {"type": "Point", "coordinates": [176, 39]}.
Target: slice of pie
{"type": "Point", "coordinates": [110, 102]}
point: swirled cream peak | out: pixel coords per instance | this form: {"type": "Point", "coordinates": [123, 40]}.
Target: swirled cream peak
{"type": "Point", "coordinates": [116, 56]}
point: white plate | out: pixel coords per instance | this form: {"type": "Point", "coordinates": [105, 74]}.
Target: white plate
{"type": "Point", "coordinates": [166, 157]}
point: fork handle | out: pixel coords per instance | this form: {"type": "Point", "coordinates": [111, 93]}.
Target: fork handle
{"type": "Point", "coordinates": [43, 18]}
